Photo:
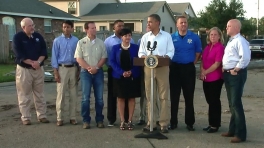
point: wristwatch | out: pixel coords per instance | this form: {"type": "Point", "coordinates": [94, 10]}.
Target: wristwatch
{"type": "Point", "coordinates": [235, 70]}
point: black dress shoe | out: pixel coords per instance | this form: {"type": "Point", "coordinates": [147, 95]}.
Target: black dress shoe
{"type": "Point", "coordinates": [172, 126]}
{"type": "Point", "coordinates": [190, 128]}
{"type": "Point", "coordinates": [206, 128]}
{"type": "Point", "coordinates": [164, 130]}
{"type": "Point", "coordinates": [147, 128]}
{"type": "Point", "coordinates": [157, 123]}
{"type": "Point", "coordinates": [212, 130]}
{"type": "Point", "coordinates": [141, 122]}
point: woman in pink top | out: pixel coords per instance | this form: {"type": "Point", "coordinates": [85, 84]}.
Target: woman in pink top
{"type": "Point", "coordinates": [211, 75]}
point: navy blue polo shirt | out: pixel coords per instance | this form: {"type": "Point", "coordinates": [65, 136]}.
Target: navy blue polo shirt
{"type": "Point", "coordinates": [26, 47]}
{"type": "Point", "coordinates": [186, 47]}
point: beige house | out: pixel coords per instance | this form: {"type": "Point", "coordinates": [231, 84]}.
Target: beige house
{"type": "Point", "coordinates": [182, 9]}
{"type": "Point", "coordinates": [48, 20]}
{"type": "Point", "coordinates": [134, 14]}
{"type": "Point", "coordinates": [77, 7]}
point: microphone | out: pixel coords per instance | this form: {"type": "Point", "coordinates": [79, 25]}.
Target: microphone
{"type": "Point", "coordinates": [155, 44]}
{"type": "Point", "coordinates": [148, 45]}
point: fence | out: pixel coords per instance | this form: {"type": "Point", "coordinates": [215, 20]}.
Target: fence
{"type": "Point", "coordinates": [4, 44]}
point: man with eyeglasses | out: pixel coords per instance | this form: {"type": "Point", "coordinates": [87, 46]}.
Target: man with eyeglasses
{"type": "Point", "coordinates": [30, 51]}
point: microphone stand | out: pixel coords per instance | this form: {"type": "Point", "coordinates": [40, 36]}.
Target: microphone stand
{"type": "Point", "coordinates": [151, 90]}
{"type": "Point", "coordinates": [151, 134]}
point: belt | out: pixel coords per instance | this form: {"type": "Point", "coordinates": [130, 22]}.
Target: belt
{"type": "Point", "coordinates": [228, 70]}
{"type": "Point", "coordinates": [29, 68]}
{"type": "Point", "coordinates": [63, 65]}
{"type": "Point", "coordinates": [174, 63]}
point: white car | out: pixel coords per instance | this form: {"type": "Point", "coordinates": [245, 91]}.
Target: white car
{"type": "Point", "coordinates": [48, 77]}
{"type": "Point", "coordinates": [257, 46]}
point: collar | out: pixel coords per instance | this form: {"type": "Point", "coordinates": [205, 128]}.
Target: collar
{"type": "Point", "coordinates": [160, 32]}
{"type": "Point", "coordinates": [216, 44]}
{"type": "Point", "coordinates": [90, 39]}
{"type": "Point", "coordinates": [237, 35]}
{"type": "Point", "coordinates": [64, 35]}
{"type": "Point", "coordinates": [31, 36]}
{"type": "Point", "coordinates": [114, 36]}
{"type": "Point", "coordinates": [187, 34]}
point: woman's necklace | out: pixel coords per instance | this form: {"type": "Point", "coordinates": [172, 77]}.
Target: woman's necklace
{"type": "Point", "coordinates": [124, 46]}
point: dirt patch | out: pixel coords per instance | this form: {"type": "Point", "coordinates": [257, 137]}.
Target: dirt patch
{"type": "Point", "coordinates": [51, 106]}
{"type": "Point", "coordinates": [7, 107]}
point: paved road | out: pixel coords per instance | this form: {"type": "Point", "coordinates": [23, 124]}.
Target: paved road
{"type": "Point", "coordinates": [14, 135]}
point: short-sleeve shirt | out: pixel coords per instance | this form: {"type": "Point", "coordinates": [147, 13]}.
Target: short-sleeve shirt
{"type": "Point", "coordinates": [90, 50]}
{"type": "Point", "coordinates": [26, 47]}
{"type": "Point", "coordinates": [209, 57]}
{"type": "Point", "coordinates": [186, 47]}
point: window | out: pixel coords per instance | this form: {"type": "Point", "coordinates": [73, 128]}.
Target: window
{"type": "Point", "coordinates": [10, 22]}
{"type": "Point", "coordinates": [72, 7]}
{"type": "Point", "coordinates": [102, 28]}
{"type": "Point", "coordinates": [170, 29]}
{"type": "Point", "coordinates": [78, 29]}
{"type": "Point", "coordinates": [163, 28]}
{"type": "Point", "coordinates": [47, 25]}
{"type": "Point", "coordinates": [163, 9]}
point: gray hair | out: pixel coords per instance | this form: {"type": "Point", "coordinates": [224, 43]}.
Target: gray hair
{"type": "Point", "coordinates": [24, 22]}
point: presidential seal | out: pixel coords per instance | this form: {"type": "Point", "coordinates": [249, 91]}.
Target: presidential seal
{"type": "Point", "coordinates": [151, 61]}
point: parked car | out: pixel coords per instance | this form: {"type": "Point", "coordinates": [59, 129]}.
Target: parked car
{"type": "Point", "coordinates": [257, 46]}
{"type": "Point", "coordinates": [48, 77]}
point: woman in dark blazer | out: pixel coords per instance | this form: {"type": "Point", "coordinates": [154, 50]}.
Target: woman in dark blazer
{"type": "Point", "coordinates": [126, 76]}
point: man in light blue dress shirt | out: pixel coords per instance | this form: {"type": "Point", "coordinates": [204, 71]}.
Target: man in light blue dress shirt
{"type": "Point", "coordinates": [235, 61]}
{"type": "Point", "coordinates": [111, 99]}
{"type": "Point", "coordinates": [66, 72]}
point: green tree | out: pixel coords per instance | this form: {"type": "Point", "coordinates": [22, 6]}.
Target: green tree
{"type": "Point", "coordinates": [261, 26]}
{"type": "Point", "coordinates": [218, 12]}
{"type": "Point", "coordinates": [248, 27]}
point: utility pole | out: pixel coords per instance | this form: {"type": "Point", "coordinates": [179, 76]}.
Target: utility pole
{"type": "Point", "coordinates": [258, 19]}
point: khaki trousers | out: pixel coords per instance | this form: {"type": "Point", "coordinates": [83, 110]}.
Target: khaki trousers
{"type": "Point", "coordinates": [68, 81]}
{"type": "Point", "coordinates": [143, 100]}
{"type": "Point", "coordinates": [30, 82]}
{"type": "Point", "coordinates": [161, 84]}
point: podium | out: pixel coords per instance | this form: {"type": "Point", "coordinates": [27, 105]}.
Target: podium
{"type": "Point", "coordinates": [151, 62]}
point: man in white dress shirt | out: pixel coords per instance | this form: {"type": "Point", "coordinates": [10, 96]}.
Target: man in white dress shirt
{"type": "Point", "coordinates": [235, 61]}
{"type": "Point", "coordinates": [164, 49]}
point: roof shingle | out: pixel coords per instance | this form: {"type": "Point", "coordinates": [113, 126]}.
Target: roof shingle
{"type": "Point", "coordinates": [124, 11]}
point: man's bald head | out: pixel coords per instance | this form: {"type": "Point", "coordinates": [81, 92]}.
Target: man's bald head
{"type": "Point", "coordinates": [27, 25]}
{"type": "Point", "coordinates": [233, 27]}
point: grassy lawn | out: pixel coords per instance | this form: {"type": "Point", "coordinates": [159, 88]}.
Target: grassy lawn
{"type": "Point", "coordinates": [105, 68]}
{"type": "Point", "coordinates": [4, 69]}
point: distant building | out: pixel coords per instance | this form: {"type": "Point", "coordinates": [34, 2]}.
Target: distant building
{"type": "Point", "coordinates": [48, 19]}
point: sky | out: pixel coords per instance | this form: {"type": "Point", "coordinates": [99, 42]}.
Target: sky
{"type": "Point", "coordinates": [251, 6]}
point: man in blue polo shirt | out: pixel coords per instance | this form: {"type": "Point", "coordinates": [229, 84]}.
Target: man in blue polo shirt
{"type": "Point", "coordinates": [182, 72]}
{"type": "Point", "coordinates": [30, 51]}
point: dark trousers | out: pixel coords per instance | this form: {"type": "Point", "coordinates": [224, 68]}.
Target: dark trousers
{"type": "Point", "coordinates": [212, 92]}
{"type": "Point", "coordinates": [234, 87]}
{"type": "Point", "coordinates": [182, 76]}
{"type": "Point", "coordinates": [112, 100]}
